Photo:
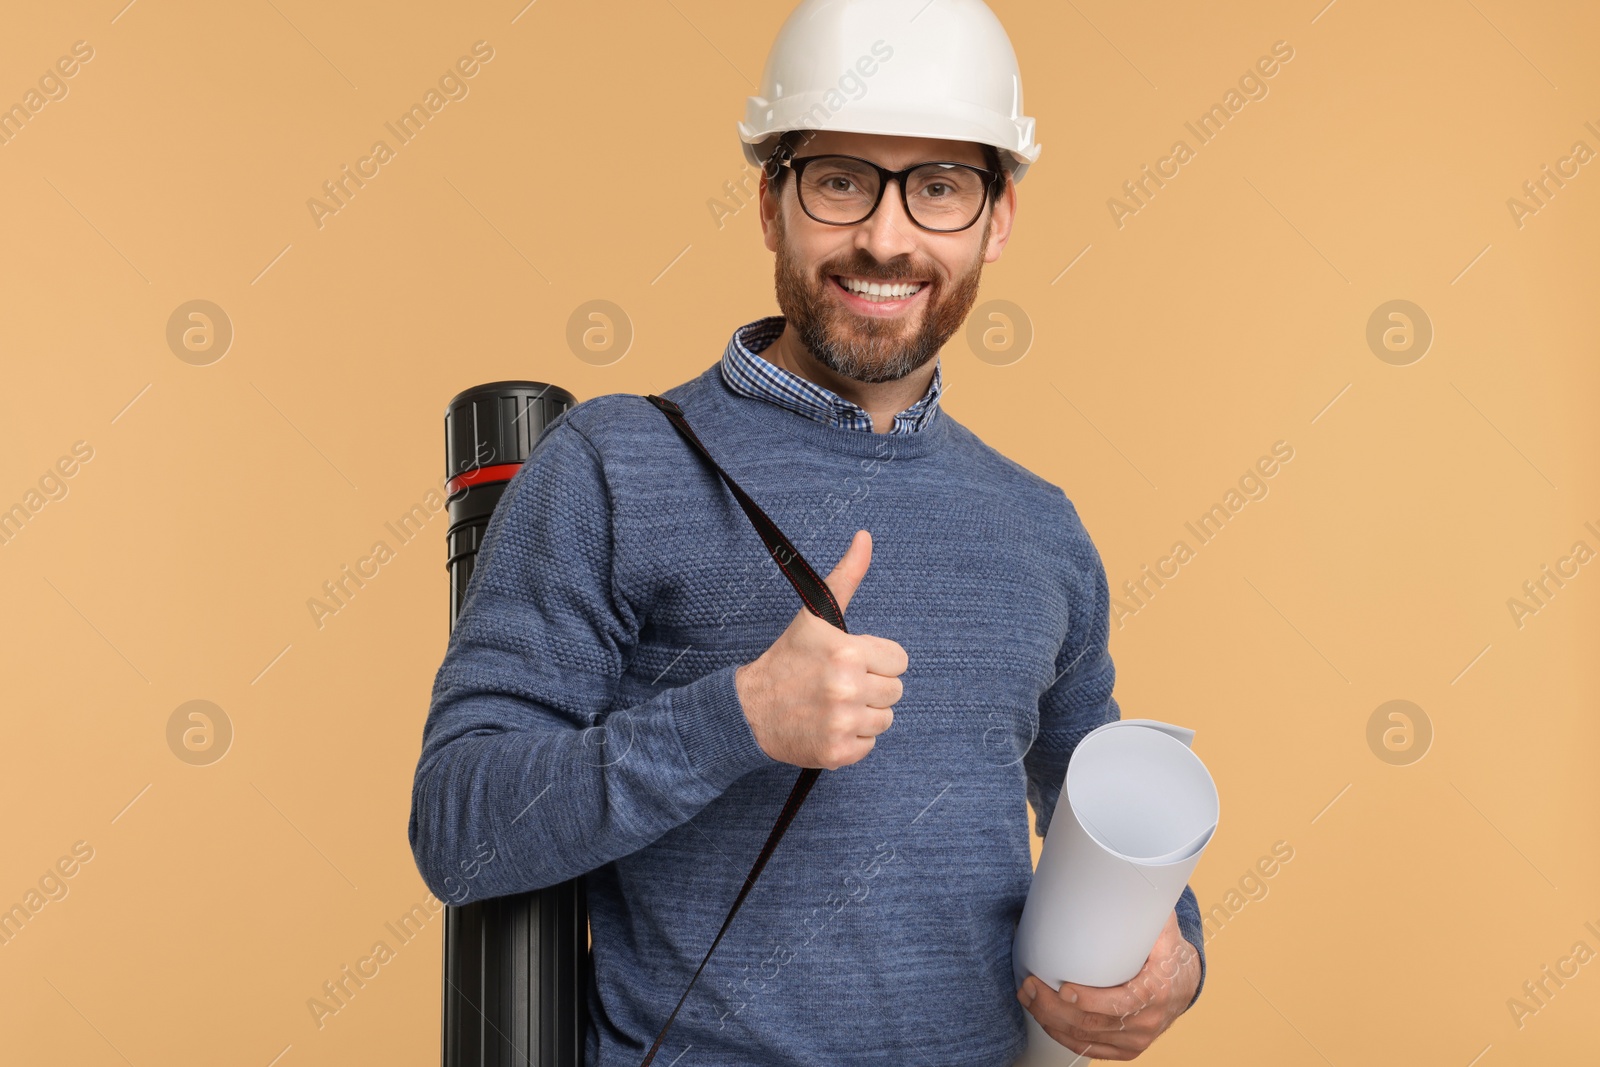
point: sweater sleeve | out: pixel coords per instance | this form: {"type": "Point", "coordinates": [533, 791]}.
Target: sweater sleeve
{"type": "Point", "coordinates": [528, 775]}
{"type": "Point", "coordinates": [1080, 699]}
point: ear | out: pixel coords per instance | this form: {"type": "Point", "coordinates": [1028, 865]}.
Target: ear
{"type": "Point", "coordinates": [1004, 212]}
{"type": "Point", "coordinates": [770, 206]}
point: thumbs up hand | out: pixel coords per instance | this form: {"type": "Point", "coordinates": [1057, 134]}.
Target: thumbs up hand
{"type": "Point", "coordinates": [819, 697]}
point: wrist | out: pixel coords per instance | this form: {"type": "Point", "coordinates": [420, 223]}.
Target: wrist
{"type": "Point", "coordinates": [746, 685]}
{"type": "Point", "coordinates": [742, 686]}
{"type": "Point", "coordinates": [1188, 978]}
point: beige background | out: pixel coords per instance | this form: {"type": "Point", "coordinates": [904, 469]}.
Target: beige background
{"type": "Point", "coordinates": [1228, 313]}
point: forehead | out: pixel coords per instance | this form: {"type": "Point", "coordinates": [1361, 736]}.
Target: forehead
{"type": "Point", "coordinates": [891, 151]}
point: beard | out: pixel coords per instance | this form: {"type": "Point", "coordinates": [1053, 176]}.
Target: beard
{"type": "Point", "coordinates": [870, 349]}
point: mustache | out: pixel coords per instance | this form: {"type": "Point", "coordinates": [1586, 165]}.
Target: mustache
{"type": "Point", "coordinates": [872, 269]}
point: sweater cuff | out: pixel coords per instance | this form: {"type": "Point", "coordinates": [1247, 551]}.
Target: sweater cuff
{"type": "Point", "coordinates": [713, 730]}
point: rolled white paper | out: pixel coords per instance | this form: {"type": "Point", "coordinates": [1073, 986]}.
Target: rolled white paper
{"type": "Point", "coordinates": [1137, 809]}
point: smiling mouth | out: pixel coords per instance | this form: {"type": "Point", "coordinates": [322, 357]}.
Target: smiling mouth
{"type": "Point", "coordinates": [876, 292]}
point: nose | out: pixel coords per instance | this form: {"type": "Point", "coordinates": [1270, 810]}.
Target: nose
{"type": "Point", "coordinates": [888, 232]}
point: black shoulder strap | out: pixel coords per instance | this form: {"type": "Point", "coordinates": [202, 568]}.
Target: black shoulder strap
{"type": "Point", "coordinates": [819, 600]}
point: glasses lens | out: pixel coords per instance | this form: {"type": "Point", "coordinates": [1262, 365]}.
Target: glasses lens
{"type": "Point", "coordinates": [941, 196]}
{"type": "Point", "coordinates": [838, 189]}
{"type": "Point", "coordinates": [945, 196]}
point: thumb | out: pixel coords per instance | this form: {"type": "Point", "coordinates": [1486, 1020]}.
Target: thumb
{"type": "Point", "coordinates": [846, 577]}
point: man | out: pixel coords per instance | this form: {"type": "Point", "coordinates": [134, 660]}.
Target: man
{"type": "Point", "coordinates": [630, 687]}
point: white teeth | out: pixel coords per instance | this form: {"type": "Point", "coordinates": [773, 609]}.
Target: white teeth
{"type": "Point", "coordinates": [879, 292]}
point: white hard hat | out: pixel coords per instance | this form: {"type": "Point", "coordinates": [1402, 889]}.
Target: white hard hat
{"type": "Point", "coordinates": [902, 67]}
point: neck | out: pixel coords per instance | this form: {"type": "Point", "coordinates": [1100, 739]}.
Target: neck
{"type": "Point", "coordinates": [881, 400]}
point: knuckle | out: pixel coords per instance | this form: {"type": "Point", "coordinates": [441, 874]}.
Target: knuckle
{"type": "Point", "coordinates": [1076, 1033]}
{"type": "Point", "coordinates": [846, 655]}
{"type": "Point", "coordinates": [836, 724]}
{"type": "Point", "coordinates": [840, 689]}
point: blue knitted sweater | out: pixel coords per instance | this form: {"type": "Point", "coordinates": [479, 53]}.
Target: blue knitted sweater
{"type": "Point", "coordinates": [584, 723]}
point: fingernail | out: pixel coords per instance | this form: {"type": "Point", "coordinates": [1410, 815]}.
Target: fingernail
{"type": "Point", "coordinates": [1029, 992]}
{"type": "Point", "coordinates": [1072, 996]}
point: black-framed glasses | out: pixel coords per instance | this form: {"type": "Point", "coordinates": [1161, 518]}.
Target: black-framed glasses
{"type": "Point", "coordinates": [942, 196]}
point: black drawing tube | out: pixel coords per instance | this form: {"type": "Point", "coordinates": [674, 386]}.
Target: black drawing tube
{"type": "Point", "coordinates": [516, 968]}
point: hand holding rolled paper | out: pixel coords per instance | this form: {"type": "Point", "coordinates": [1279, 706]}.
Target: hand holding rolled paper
{"type": "Point", "coordinates": [1119, 1022]}
{"type": "Point", "coordinates": [1136, 811]}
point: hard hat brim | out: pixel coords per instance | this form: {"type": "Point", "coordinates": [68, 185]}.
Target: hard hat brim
{"type": "Point", "coordinates": [765, 123]}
